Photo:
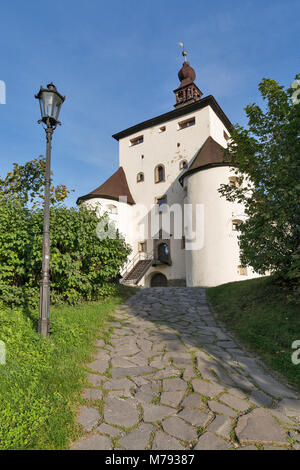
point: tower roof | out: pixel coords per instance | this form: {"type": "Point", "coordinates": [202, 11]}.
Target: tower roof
{"type": "Point", "coordinates": [187, 92]}
{"type": "Point", "coordinates": [115, 187]}
{"type": "Point", "coordinates": [211, 154]}
{"type": "Point", "coordinates": [186, 74]}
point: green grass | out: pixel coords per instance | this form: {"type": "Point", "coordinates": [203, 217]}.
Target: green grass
{"type": "Point", "coordinates": [40, 383]}
{"type": "Point", "coordinates": [256, 311]}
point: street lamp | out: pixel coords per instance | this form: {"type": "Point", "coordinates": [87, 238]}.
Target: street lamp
{"type": "Point", "coordinates": [50, 104]}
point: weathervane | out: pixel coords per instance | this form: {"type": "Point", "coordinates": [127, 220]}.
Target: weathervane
{"type": "Point", "coordinates": [184, 53]}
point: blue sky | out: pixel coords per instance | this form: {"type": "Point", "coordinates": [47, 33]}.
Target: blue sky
{"type": "Point", "coordinates": [117, 64]}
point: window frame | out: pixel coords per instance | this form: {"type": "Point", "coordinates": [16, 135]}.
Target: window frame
{"type": "Point", "coordinates": [233, 181]}
{"type": "Point", "coordinates": [136, 141]}
{"type": "Point", "coordinates": [160, 205]}
{"type": "Point", "coordinates": [142, 247]}
{"type": "Point", "coordinates": [242, 270]}
{"type": "Point", "coordinates": [186, 123]}
{"type": "Point", "coordinates": [112, 209]}
{"type": "Point", "coordinates": [183, 165]}
{"type": "Point", "coordinates": [157, 179]}
{"type": "Point", "coordinates": [236, 222]}
{"type": "Point", "coordinates": [138, 177]}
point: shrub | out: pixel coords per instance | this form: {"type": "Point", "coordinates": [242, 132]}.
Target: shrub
{"type": "Point", "coordinates": [81, 265]}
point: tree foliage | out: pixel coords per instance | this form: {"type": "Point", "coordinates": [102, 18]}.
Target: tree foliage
{"type": "Point", "coordinates": [267, 159]}
{"type": "Point", "coordinates": [81, 265]}
{"type": "Point", "coordinates": [26, 184]}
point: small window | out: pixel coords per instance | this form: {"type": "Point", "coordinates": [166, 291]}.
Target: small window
{"type": "Point", "coordinates": [226, 136]}
{"type": "Point", "coordinates": [140, 177]}
{"type": "Point", "coordinates": [161, 202]}
{"type": "Point", "coordinates": [190, 122]}
{"type": "Point", "coordinates": [242, 270]}
{"type": "Point", "coordinates": [137, 140]}
{"type": "Point", "coordinates": [183, 165]}
{"type": "Point", "coordinates": [112, 209]}
{"type": "Point", "coordinates": [159, 173]}
{"type": "Point", "coordinates": [142, 247]}
{"type": "Point", "coordinates": [162, 129]}
{"type": "Point", "coordinates": [178, 144]}
{"type": "Point", "coordinates": [183, 243]}
{"type": "Point", "coordinates": [234, 181]}
{"type": "Point", "coordinates": [236, 224]}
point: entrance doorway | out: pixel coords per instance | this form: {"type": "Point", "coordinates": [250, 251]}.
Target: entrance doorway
{"type": "Point", "coordinates": [159, 280]}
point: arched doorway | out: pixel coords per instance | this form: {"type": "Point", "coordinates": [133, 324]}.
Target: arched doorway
{"type": "Point", "coordinates": [159, 280]}
{"type": "Point", "coordinates": [163, 253]}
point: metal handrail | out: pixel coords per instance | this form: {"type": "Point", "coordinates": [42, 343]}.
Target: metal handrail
{"type": "Point", "coordinates": [138, 257]}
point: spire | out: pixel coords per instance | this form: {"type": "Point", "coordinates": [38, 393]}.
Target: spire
{"type": "Point", "coordinates": [187, 92]}
{"type": "Point", "coordinates": [184, 53]}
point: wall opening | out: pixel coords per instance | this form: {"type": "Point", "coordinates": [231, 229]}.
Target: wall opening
{"type": "Point", "coordinates": [159, 280]}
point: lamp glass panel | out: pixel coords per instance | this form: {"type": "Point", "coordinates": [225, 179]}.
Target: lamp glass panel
{"type": "Point", "coordinates": [49, 100]}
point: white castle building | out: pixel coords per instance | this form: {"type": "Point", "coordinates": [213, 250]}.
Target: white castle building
{"type": "Point", "coordinates": [164, 197]}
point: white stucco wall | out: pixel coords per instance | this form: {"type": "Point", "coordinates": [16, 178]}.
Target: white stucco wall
{"type": "Point", "coordinates": [217, 261]}
{"type": "Point", "coordinates": [162, 148]}
{"type": "Point", "coordinates": [217, 128]}
{"type": "Point", "coordinates": [122, 218]}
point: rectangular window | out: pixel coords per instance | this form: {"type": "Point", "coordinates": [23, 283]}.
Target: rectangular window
{"type": "Point", "coordinates": [142, 247]}
{"type": "Point", "coordinates": [136, 140]}
{"type": "Point", "coordinates": [190, 122]}
{"type": "Point", "coordinates": [236, 223]}
{"type": "Point", "coordinates": [161, 201]}
{"type": "Point", "coordinates": [183, 243]}
{"type": "Point", "coordinates": [162, 129]}
{"type": "Point", "coordinates": [242, 271]}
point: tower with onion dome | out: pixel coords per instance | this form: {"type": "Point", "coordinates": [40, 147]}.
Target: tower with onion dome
{"type": "Point", "coordinates": [187, 92]}
{"type": "Point", "coordinates": [176, 160]}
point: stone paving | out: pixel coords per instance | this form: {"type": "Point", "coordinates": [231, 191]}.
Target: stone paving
{"type": "Point", "coordinates": [171, 378]}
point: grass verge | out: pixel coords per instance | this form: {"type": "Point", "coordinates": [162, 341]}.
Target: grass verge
{"type": "Point", "coordinates": [256, 311]}
{"type": "Point", "coordinates": [40, 383]}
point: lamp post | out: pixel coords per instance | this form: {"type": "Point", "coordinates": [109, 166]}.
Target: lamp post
{"type": "Point", "coordinates": [50, 104]}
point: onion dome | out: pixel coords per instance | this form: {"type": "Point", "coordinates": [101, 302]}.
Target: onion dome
{"type": "Point", "coordinates": [186, 74]}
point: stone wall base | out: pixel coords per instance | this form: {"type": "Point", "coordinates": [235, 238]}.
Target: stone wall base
{"type": "Point", "coordinates": [176, 282]}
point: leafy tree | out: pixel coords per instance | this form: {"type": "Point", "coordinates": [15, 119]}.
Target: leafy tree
{"type": "Point", "coordinates": [81, 265]}
{"type": "Point", "coordinates": [26, 183]}
{"type": "Point", "coordinates": [267, 159]}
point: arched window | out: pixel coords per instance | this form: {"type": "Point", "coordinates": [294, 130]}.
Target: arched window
{"type": "Point", "coordinates": [183, 165]}
{"type": "Point", "coordinates": [159, 173]}
{"type": "Point", "coordinates": [140, 177]}
{"type": "Point", "coordinates": [112, 209]}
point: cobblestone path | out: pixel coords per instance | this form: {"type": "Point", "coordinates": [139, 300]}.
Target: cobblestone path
{"type": "Point", "coordinates": [172, 379]}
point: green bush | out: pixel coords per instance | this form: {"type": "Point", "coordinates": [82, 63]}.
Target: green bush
{"type": "Point", "coordinates": [81, 265]}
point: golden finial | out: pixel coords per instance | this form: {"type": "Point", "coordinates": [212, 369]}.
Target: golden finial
{"type": "Point", "coordinates": [184, 53]}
